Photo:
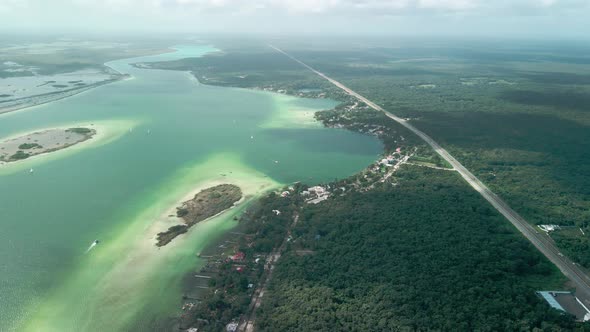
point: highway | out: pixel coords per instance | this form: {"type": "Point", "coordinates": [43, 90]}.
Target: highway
{"type": "Point", "coordinates": [539, 239]}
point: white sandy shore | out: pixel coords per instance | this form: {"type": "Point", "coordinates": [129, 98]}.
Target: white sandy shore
{"type": "Point", "coordinates": [120, 274]}
{"type": "Point", "coordinates": [46, 141]}
{"type": "Point", "coordinates": [38, 100]}
{"type": "Point", "coordinates": [288, 115]}
{"type": "Point", "coordinates": [106, 132]}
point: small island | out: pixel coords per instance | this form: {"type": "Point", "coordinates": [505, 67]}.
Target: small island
{"type": "Point", "coordinates": [45, 141]}
{"type": "Point", "coordinates": [207, 203]}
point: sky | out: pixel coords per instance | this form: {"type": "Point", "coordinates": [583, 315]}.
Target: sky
{"type": "Point", "coordinates": [509, 18]}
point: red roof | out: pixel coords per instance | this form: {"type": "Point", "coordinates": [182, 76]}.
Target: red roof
{"type": "Point", "coordinates": [238, 256]}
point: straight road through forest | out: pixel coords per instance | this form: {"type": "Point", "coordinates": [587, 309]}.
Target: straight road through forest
{"type": "Point", "coordinates": [539, 240]}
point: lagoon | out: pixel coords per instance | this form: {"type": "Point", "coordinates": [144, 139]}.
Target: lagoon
{"type": "Point", "coordinates": [182, 136]}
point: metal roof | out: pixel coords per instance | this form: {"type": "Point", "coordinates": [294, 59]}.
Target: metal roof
{"type": "Point", "coordinates": [551, 300]}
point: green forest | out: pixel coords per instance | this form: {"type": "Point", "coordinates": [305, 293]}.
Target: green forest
{"type": "Point", "coordinates": [424, 255]}
{"type": "Point", "coordinates": [517, 119]}
{"type": "Point", "coordinates": [423, 251]}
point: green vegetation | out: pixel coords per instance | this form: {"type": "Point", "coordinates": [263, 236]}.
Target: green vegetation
{"type": "Point", "coordinates": [257, 68]}
{"type": "Point", "coordinates": [27, 146]}
{"type": "Point", "coordinates": [424, 255]}
{"type": "Point", "coordinates": [229, 295]}
{"type": "Point", "coordinates": [427, 254]}
{"type": "Point", "coordinates": [82, 131]}
{"type": "Point", "coordinates": [517, 119]}
{"type": "Point", "coordinates": [60, 58]}
{"type": "Point", "coordinates": [205, 204]}
{"type": "Point", "coordinates": [19, 155]}
{"type": "Point", "coordinates": [574, 243]}
{"type": "Point", "coordinates": [421, 251]}
{"type": "Point", "coordinates": [166, 237]}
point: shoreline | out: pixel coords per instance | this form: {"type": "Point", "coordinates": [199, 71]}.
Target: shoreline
{"type": "Point", "coordinates": [206, 204]}
{"type": "Point", "coordinates": [86, 136]}
{"type": "Point", "coordinates": [106, 131]}
{"type": "Point", "coordinates": [47, 98]}
{"type": "Point", "coordinates": [42, 99]}
{"type": "Point", "coordinates": [133, 263]}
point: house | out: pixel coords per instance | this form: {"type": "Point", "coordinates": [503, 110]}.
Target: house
{"type": "Point", "coordinates": [319, 190]}
{"type": "Point", "coordinates": [231, 327]}
{"type": "Point", "coordinates": [549, 228]}
{"type": "Point", "coordinates": [566, 302]}
{"type": "Point", "coordinates": [238, 257]}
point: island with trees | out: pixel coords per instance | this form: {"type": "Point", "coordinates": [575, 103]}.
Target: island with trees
{"type": "Point", "coordinates": [205, 204]}
{"type": "Point", "coordinates": [42, 142]}
{"type": "Point", "coordinates": [404, 244]}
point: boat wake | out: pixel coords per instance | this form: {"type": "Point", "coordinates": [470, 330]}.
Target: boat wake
{"type": "Point", "coordinates": [92, 246]}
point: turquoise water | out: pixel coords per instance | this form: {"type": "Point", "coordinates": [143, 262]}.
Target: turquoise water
{"type": "Point", "coordinates": [184, 134]}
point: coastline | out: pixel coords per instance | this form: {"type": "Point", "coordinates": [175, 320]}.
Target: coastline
{"type": "Point", "coordinates": [92, 132]}
{"type": "Point", "coordinates": [206, 204]}
{"type": "Point", "coordinates": [132, 263]}
{"type": "Point", "coordinates": [293, 115]}
{"type": "Point", "coordinates": [37, 100]}
{"type": "Point", "coordinates": [106, 132]}
{"type": "Point", "coordinates": [131, 260]}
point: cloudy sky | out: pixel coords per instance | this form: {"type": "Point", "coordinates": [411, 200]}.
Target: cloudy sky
{"type": "Point", "coordinates": [539, 18]}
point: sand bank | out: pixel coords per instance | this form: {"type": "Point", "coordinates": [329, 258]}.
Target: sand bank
{"type": "Point", "coordinates": [40, 142]}
{"type": "Point", "coordinates": [105, 132]}
{"type": "Point", "coordinates": [127, 275]}
{"type": "Point", "coordinates": [36, 100]}
{"type": "Point", "coordinates": [291, 114]}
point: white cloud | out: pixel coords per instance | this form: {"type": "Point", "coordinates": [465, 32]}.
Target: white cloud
{"type": "Point", "coordinates": [268, 14]}
{"type": "Point", "coordinates": [304, 6]}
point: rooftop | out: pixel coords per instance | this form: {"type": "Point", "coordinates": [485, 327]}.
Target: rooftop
{"type": "Point", "coordinates": [567, 302]}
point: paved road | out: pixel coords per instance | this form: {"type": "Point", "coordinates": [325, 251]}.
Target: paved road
{"type": "Point", "coordinates": [539, 239]}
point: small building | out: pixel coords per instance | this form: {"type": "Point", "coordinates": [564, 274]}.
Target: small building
{"type": "Point", "coordinates": [318, 190]}
{"type": "Point", "coordinates": [231, 327]}
{"type": "Point", "coordinates": [566, 302]}
{"type": "Point", "coordinates": [238, 256]}
{"type": "Point", "coordinates": [549, 228]}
